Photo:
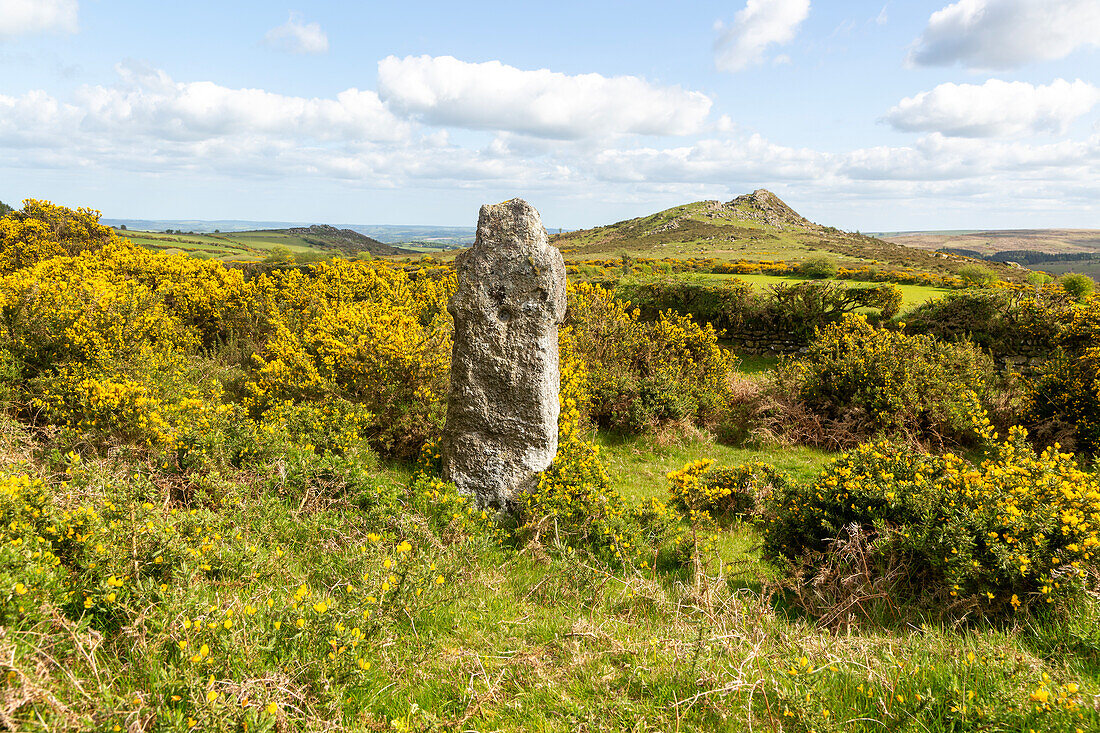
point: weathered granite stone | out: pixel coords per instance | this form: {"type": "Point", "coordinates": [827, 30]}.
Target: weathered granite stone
{"type": "Point", "coordinates": [502, 411]}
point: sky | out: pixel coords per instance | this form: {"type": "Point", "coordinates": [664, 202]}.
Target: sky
{"type": "Point", "coordinates": [866, 115]}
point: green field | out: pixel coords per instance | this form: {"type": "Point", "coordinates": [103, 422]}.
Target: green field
{"type": "Point", "coordinates": [638, 465]}
{"type": "Point", "coordinates": [911, 295]}
{"type": "Point", "coordinates": [239, 246]}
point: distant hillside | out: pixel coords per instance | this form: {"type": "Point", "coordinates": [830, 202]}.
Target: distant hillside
{"type": "Point", "coordinates": [347, 241]}
{"type": "Point", "coordinates": [1056, 251]}
{"type": "Point", "coordinates": [1052, 241]}
{"type": "Point", "coordinates": [200, 226]}
{"type": "Point", "coordinates": [301, 243]}
{"type": "Point", "coordinates": [395, 234]}
{"type": "Point", "coordinates": [757, 226]}
{"type": "Point", "coordinates": [385, 233]}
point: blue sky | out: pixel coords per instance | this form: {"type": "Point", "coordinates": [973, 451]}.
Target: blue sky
{"type": "Point", "coordinates": [864, 115]}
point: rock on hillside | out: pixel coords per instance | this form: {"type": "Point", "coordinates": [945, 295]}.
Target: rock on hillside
{"type": "Point", "coordinates": [345, 240]}
{"type": "Point", "coordinates": [764, 206]}
{"type": "Point", "coordinates": [761, 206]}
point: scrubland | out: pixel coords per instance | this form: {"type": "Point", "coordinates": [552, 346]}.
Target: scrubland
{"type": "Point", "coordinates": [220, 509]}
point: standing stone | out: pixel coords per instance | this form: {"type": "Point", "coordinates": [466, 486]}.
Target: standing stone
{"type": "Point", "coordinates": [502, 411]}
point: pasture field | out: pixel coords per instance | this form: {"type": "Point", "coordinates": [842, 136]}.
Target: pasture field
{"type": "Point", "coordinates": [235, 246]}
{"type": "Point", "coordinates": [911, 295]}
{"type": "Point", "coordinates": [242, 246]}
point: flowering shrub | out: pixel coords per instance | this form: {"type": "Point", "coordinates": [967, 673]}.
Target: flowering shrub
{"type": "Point", "coordinates": [100, 353]}
{"type": "Point", "coordinates": [724, 492]}
{"type": "Point", "coordinates": [1016, 530]}
{"type": "Point", "coordinates": [362, 334]}
{"type": "Point", "coordinates": [640, 374]}
{"type": "Point", "coordinates": [41, 230]}
{"type": "Point", "coordinates": [117, 344]}
{"type": "Point", "coordinates": [859, 381]}
{"type": "Point", "coordinates": [1064, 396]}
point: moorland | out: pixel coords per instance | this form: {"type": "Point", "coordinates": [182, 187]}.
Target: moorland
{"type": "Point", "coordinates": [807, 480]}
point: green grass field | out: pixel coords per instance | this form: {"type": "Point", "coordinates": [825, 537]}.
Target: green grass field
{"type": "Point", "coordinates": [911, 295]}
{"type": "Point", "coordinates": [271, 628]}
{"type": "Point", "coordinates": [638, 465]}
{"type": "Point", "coordinates": [228, 247]}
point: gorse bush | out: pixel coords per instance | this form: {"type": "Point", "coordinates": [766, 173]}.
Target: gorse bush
{"type": "Point", "coordinates": [1077, 285]}
{"type": "Point", "coordinates": [1063, 397]}
{"type": "Point", "coordinates": [41, 230]}
{"type": "Point", "coordinates": [114, 343]}
{"type": "Point", "coordinates": [858, 381]}
{"type": "Point", "coordinates": [641, 374]}
{"type": "Point", "coordinates": [818, 267]}
{"type": "Point", "coordinates": [976, 276]}
{"type": "Point", "coordinates": [359, 334]}
{"type": "Point", "coordinates": [1017, 529]}
{"type": "Point", "coordinates": [737, 491]}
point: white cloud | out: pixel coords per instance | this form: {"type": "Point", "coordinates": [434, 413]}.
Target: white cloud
{"type": "Point", "coordinates": [148, 105]}
{"type": "Point", "coordinates": [935, 168]}
{"type": "Point", "coordinates": [444, 91]}
{"type": "Point", "coordinates": [995, 109]}
{"type": "Point", "coordinates": [296, 36]}
{"type": "Point", "coordinates": [149, 126]}
{"type": "Point", "coordinates": [21, 17]}
{"type": "Point", "coordinates": [758, 25]}
{"type": "Point", "coordinates": [1002, 34]}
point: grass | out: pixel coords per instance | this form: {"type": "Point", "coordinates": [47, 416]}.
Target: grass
{"type": "Point", "coordinates": [231, 246]}
{"type": "Point", "coordinates": [638, 464]}
{"type": "Point", "coordinates": [530, 638]}
{"type": "Point", "coordinates": [756, 363]}
{"type": "Point", "coordinates": [911, 295]}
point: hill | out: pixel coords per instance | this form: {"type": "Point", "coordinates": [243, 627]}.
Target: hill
{"type": "Point", "coordinates": [301, 242]}
{"type": "Point", "coordinates": [1056, 251]}
{"type": "Point", "coordinates": [439, 237]}
{"type": "Point", "coordinates": [347, 241]}
{"type": "Point", "coordinates": [758, 226]}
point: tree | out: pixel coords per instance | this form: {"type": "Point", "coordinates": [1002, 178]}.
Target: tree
{"type": "Point", "coordinates": [122, 227]}
{"type": "Point", "coordinates": [1078, 285]}
{"type": "Point", "coordinates": [818, 268]}
{"type": "Point", "coordinates": [5, 209]}
{"type": "Point", "coordinates": [1038, 279]}
{"type": "Point", "coordinates": [976, 276]}
{"type": "Point", "coordinates": [279, 255]}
